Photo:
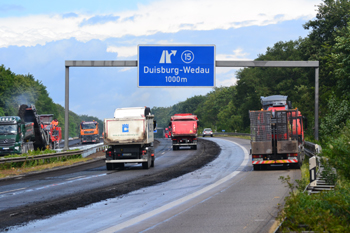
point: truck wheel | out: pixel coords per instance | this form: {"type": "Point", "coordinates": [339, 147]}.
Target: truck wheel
{"type": "Point", "coordinates": [256, 167]}
{"type": "Point", "coordinates": [174, 148]}
{"type": "Point", "coordinates": [298, 164]}
{"type": "Point", "coordinates": [119, 165]}
{"type": "Point", "coordinates": [147, 164]}
{"type": "Point", "coordinates": [24, 149]}
{"type": "Point", "coordinates": [195, 147]}
{"type": "Point", "coordinates": [211, 135]}
{"type": "Point", "coordinates": [109, 166]}
{"type": "Point", "coordinates": [30, 147]}
{"type": "Point", "coordinates": [152, 163]}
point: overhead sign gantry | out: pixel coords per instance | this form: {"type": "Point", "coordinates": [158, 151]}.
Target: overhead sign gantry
{"type": "Point", "coordinates": [187, 57]}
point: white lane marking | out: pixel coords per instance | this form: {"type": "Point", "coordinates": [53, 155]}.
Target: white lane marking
{"type": "Point", "coordinates": [12, 190]}
{"type": "Point", "coordinates": [163, 153]}
{"type": "Point", "coordinates": [181, 200]}
{"type": "Point", "coordinates": [75, 178]}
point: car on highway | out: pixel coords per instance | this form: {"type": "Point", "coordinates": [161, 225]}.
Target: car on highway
{"type": "Point", "coordinates": [207, 132]}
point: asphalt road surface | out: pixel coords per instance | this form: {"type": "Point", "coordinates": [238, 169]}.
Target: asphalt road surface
{"type": "Point", "coordinates": [223, 194]}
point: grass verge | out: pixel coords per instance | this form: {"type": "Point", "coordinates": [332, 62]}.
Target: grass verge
{"type": "Point", "coordinates": [18, 168]}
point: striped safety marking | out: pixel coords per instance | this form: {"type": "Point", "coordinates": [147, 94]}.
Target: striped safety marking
{"type": "Point", "coordinates": [275, 161]}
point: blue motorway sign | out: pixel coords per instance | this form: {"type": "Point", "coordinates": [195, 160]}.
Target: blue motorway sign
{"type": "Point", "coordinates": [176, 65]}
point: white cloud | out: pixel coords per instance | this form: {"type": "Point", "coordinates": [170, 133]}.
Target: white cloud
{"type": "Point", "coordinates": [123, 51]}
{"type": "Point", "coordinates": [226, 82]}
{"type": "Point", "coordinates": [238, 54]}
{"type": "Point", "coordinates": [165, 16]}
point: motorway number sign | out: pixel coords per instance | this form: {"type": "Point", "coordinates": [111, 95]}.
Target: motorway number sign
{"type": "Point", "coordinates": [176, 65]}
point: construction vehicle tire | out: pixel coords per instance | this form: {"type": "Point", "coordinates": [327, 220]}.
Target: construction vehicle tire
{"type": "Point", "coordinates": [257, 167]}
{"type": "Point", "coordinates": [118, 165]}
{"type": "Point", "coordinates": [147, 164]}
{"type": "Point", "coordinates": [109, 166]}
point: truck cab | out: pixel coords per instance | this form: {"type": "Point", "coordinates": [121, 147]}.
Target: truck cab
{"type": "Point", "coordinates": [15, 137]}
{"type": "Point", "coordinates": [89, 132]}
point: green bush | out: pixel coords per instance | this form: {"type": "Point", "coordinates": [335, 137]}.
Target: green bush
{"type": "Point", "coordinates": [338, 151]}
{"type": "Point", "coordinates": [328, 211]}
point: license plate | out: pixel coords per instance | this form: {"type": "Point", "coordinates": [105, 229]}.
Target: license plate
{"type": "Point", "coordinates": [126, 154]}
{"type": "Point", "coordinates": [292, 158]}
{"type": "Point", "coordinates": [257, 159]}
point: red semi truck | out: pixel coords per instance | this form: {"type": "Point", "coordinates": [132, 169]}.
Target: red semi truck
{"type": "Point", "coordinates": [277, 134]}
{"type": "Point", "coordinates": [184, 130]}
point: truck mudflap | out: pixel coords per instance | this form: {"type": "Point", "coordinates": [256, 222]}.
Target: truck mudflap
{"type": "Point", "coordinates": [276, 161]}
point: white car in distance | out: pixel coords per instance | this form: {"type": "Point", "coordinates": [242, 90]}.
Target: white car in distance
{"type": "Point", "coordinates": [207, 132]}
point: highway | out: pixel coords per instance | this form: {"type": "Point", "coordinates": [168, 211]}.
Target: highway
{"type": "Point", "coordinates": [225, 195]}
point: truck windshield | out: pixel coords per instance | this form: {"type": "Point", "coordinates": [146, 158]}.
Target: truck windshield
{"type": "Point", "coordinates": [88, 126]}
{"type": "Point", "coordinates": [8, 129]}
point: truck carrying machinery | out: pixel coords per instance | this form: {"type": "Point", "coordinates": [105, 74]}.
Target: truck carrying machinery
{"type": "Point", "coordinates": [184, 130]}
{"type": "Point", "coordinates": [277, 134]}
{"type": "Point", "coordinates": [89, 132]}
{"type": "Point", "coordinates": [129, 137]}
{"type": "Point", "coordinates": [27, 131]}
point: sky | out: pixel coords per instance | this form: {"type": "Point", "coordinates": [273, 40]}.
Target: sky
{"type": "Point", "coordinates": [38, 36]}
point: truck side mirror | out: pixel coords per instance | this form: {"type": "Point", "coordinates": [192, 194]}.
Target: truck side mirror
{"type": "Point", "coordinates": [154, 125]}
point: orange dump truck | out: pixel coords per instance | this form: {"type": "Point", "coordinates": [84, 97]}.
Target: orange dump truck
{"type": "Point", "coordinates": [184, 130]}
{"type": "Point", "coordinates": [89, 132]}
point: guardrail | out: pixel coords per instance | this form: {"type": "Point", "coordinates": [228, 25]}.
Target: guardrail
{"type": "Point", "coordinates": [37, 157]}
{"type": "Point", "coordinates": [318, 183]}
{"type": "Point", "coordinates": [312, 149]}
{"type": "Point", "coordinates": [83, 152]}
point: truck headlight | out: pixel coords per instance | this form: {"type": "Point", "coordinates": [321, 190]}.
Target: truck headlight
{"type": "Point", "coordinates": [16, 147]}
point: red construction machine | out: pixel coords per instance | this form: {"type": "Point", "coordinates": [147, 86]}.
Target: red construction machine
{"type": "Point", "coordinates": [277, 134]}
{"type": "Point", "coordinates": [53, 131]}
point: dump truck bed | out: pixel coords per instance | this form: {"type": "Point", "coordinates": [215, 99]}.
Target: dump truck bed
{"type": "Point", "coordinates": [128, 130]}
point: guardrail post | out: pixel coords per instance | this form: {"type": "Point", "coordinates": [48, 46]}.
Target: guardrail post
{"type": "Point", "coordinates": [312, 169]}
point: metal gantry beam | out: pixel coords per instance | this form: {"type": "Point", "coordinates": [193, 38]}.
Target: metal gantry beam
{"type": "Point", "coordinates": [130, 63]}
{"type": "Point", "coordinates": [314, 64]}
